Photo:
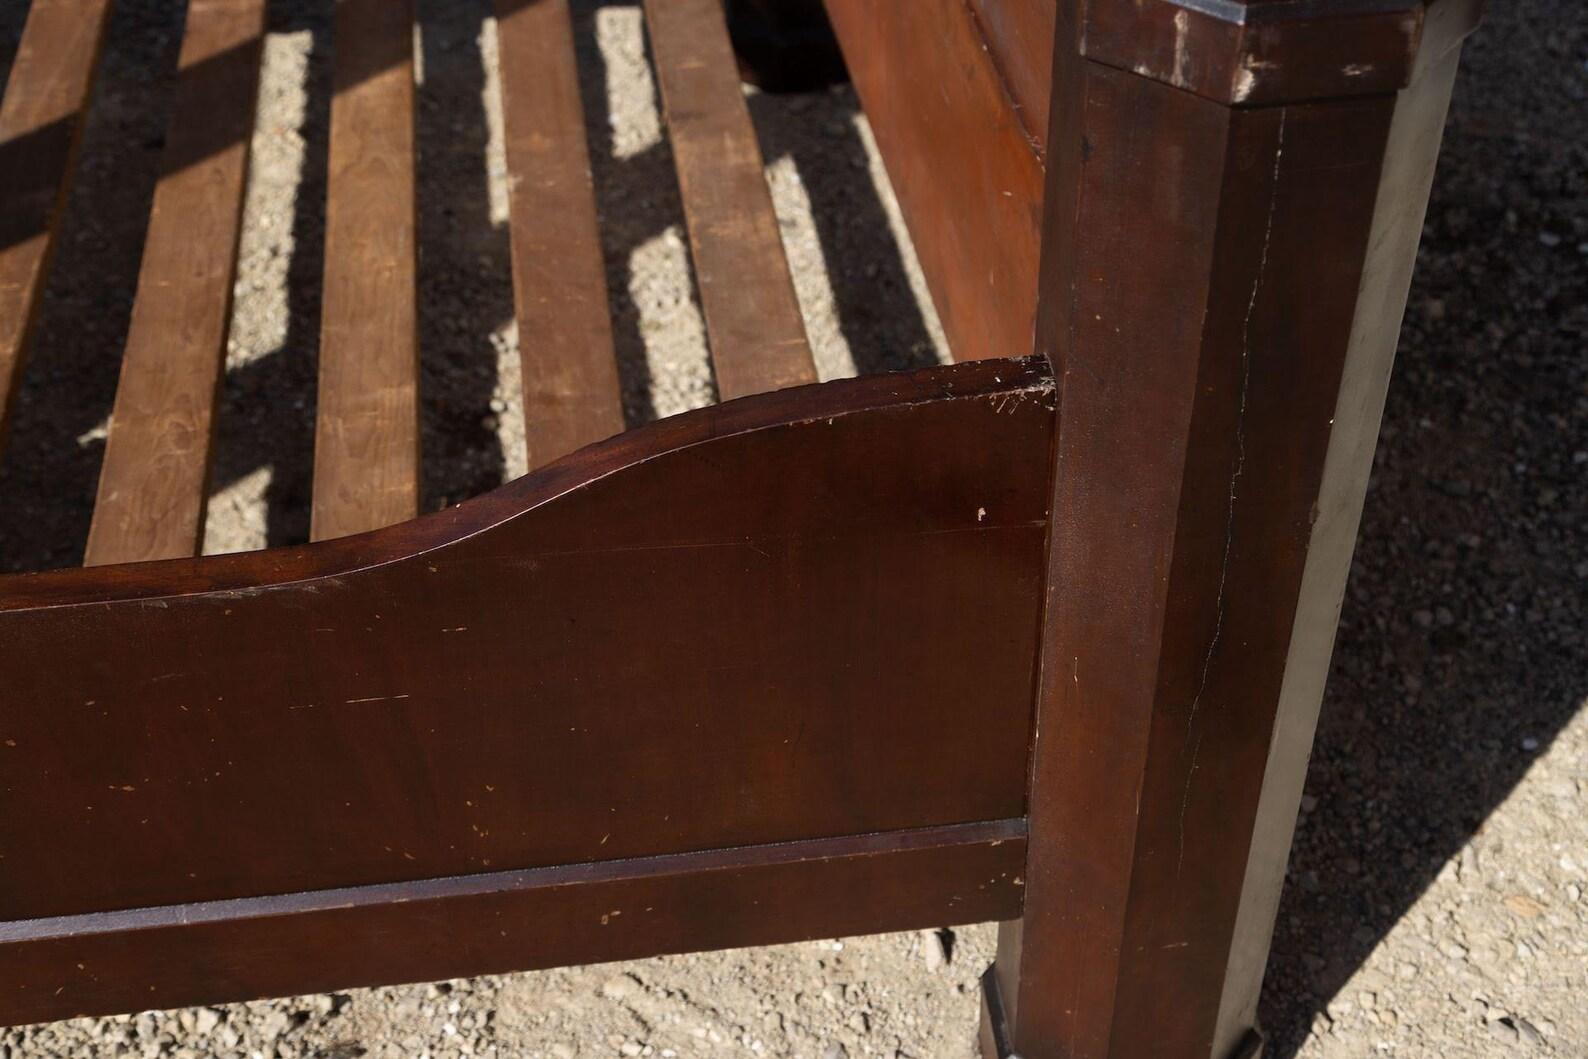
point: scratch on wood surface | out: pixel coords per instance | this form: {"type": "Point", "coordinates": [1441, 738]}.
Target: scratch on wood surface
{"type": "Point", "coordinates": [1182, 53]}
{"type": "Point", "coordinates": [1240, 425]}
{"type": "Point", "coordinates": [1246, 77]}
{"type": "Point", "coordinates": [1235, 477]}
{"type": "Point", "coordinates": [1185, 801]}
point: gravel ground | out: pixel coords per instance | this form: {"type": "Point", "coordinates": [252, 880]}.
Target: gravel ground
{"type": "Point", "coordinates": [1436, 901]}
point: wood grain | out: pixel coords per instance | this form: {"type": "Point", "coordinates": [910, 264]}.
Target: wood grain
{"type": "Point", "coordinates": [571, 392]}
{"type": "Point", "coordinates": [1222, 290]}
{"type": "Point", "coordinates": [508, 921]}
{"type": "Point", "coordinates": [713, 631]}
{"type": "Point", "coordinates": [155, 474]}
{"type": "Point", "coordinates": [1020, 39]}
{"type": "Point", "coordinates": [41, 120]}
{"type": "Point", "coordinates": [967, 176]}
{"type": "Point", "coordinates": [366, 445]}
{"type": "Point", "coordinates": [753, 321]}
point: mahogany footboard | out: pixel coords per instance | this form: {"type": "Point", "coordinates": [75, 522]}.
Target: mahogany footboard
{"type": "Point", "coordinates": [677, 691]}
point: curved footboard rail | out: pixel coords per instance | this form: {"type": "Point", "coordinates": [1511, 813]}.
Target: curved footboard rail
{"type": "Point", "coordinates": [675, 691]}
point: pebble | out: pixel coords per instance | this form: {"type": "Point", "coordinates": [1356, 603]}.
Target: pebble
{"type": "Point", "coordinates": [1503, 1029]}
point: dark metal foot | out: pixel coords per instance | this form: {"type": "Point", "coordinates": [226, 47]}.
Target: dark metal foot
{"type": "Point", "coordinates": [994, 1034]}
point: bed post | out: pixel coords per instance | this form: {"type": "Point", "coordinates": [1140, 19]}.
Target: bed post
{"type": "Point", "coordinates": [1234, 198]}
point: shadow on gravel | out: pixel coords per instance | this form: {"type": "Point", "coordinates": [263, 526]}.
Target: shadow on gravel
{"type": "Point", "coordinates": [1464, 643]}
{"type": "Point", "coordinates": [877, 312]}
{"type": "Point", "coordinates": [465, 278]}
{"type": "Point", "coordinates": [266, 416]}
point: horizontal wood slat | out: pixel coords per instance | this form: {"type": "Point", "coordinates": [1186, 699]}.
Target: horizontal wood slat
{"type": "Point", "coordinates": [510, 921]}
{"type": "Point", "coordinates": [155, 474]}
{"type": "Point", "coordinates": [571, 391]}
{"type": "Point", "coordinates": [753, 320]}
{"type": "Point", "coordinates": [366, 449]}
{"type": "Point", "coordinates": [41, 120]}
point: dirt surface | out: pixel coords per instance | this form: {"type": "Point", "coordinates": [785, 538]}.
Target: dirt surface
{"type": "Point", "coordinates": [1436, 903]}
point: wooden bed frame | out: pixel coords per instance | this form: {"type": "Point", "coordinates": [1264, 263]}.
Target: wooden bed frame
{"type": "Point", "coordinates": [673, 689]}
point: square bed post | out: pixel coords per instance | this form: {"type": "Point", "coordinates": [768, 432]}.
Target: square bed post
{"type": "Point", "coordinates": [1234, 197]}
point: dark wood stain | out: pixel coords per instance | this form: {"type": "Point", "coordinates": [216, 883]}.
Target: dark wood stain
{"type": "Point", "coordinates": [672, 690]}
{"type": "Point", "coordinates": [507, 921]}
{"type": "Point", "coordinates": [1220, 397]}
{"type": "Point", "coordinates": [708, 632]}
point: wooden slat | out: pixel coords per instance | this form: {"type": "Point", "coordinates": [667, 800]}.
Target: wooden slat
{"type": "Point", "coordinates": [752, 317]}
{"type": "Point", "coordinates": [571, 391]}
{"type": "Point", "coordinates": [155, 474]}
{"type": "Point", "coordinates": [366, 450]}
{"type": "Point", "coordinates": [41, 120]}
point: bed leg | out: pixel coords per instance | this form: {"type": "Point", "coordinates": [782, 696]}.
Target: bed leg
{"type": "Point", "coordinates": [1222, 290]}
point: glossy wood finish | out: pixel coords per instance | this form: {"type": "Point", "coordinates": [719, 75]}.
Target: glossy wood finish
{"type": "Point", "coordinates": [41, 119]}
{"type": "Point", "coordinates": [1222, 292]}
{"type": "Point", "coordinates": [967, 175]}
{"type": "Point", "coordinates": [505, 921]}
{"type": "Point", "coordinates": [366, 443]}
{"type": "Point", "coordinates": [155, 474]}
{"type": "Point", "coordinates": [1019, 37]}
{"type": "Point", "coordinates": [672, 690]}
{"type": "Point", "coordinates": [753, 320]}
{"type": "Point", "coordinates": [713, 631]}
{"type": "Point", "coordinates": [571, 393]}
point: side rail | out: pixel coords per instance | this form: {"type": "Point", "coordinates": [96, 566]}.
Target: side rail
{"type": "Point", "coordinates": [671, 692]}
